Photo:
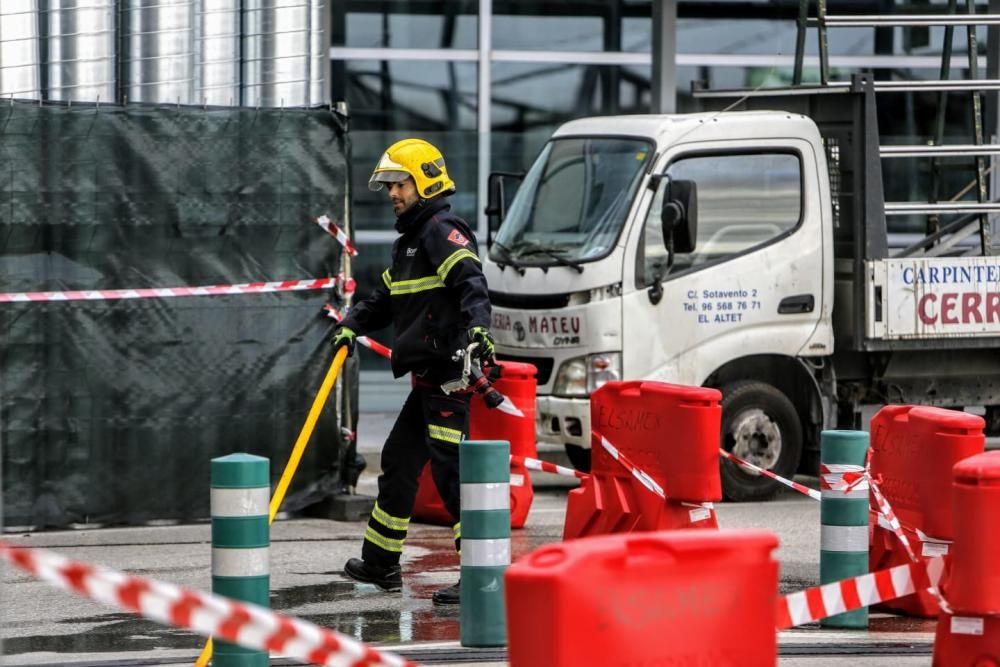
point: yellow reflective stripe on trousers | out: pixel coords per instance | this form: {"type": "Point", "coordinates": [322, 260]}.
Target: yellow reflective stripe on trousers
{"type": "Point", "coordinates": [458, 530]}
{"type": "Point", "coordinates": [453, 259]}
{"type": "Point", "coordinates": [444, 433]}
{"type": "Point", "coordinates": [387, 278]}
{"type": "Point", "coordinates": [415, 285]}
{"type": "Point", "coordinates": [388, 520]}
{"type": "Point", "coordinates": [382, 541]}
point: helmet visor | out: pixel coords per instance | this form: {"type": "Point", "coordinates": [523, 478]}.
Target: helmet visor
{"type": "Point", "coordinates": [387, 176]}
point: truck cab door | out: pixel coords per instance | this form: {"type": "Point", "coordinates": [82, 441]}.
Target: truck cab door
{"type": "Point", "coordinates": [753, 284]}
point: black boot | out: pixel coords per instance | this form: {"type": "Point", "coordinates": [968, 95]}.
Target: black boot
{"type": "Point", "coordinates": [387, 578]}
{"type": "Point", "coordinates": [450, 595]}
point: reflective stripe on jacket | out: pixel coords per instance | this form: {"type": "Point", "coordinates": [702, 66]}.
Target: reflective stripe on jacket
{"type": "Point", "coordinates": [433, 292]}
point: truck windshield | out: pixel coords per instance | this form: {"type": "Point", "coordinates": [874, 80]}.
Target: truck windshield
{"type": "Point", "coordinates": [572, 204]}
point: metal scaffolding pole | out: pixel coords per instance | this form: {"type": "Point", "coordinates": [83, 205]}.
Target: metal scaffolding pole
{"type": "Point", "coordinates": [664, 56]}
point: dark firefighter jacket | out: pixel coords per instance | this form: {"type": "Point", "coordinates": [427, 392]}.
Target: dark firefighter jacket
{"type": "Point", "coordinates": [433, 292]}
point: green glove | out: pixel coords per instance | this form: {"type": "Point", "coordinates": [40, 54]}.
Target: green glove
{"type": "Point", "coordinates": [343, 336]}
{"type": "Point", "coordinates": [487, 347]}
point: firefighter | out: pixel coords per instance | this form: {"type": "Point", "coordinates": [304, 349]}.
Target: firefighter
{"type": "Point", "coordinates": [434, 294]}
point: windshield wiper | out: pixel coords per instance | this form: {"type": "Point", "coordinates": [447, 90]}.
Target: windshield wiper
{"type": "Point", "coordinates": [554, 254]}
{"type": "Point", "coordinates": [506, 257]}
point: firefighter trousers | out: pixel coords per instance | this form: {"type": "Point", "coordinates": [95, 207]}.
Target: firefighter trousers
{"type": "Point", "coordinates": [429, 428]}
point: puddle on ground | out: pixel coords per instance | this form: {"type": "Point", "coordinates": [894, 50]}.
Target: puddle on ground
{"type": "Point", "coordinates": [412, 618]}
{"type": "Point", "coordinates": [393, 626]}
{"type": "Point", "coordinates": [116, 632]}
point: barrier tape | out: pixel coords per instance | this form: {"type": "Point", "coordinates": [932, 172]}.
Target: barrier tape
{"type": "Point", "coordinates": [929, 546]}
{"type": "Point", "coordinates": [846, 595]}
{"type": "Point", "coordinates": [346, 286]}
{"type": "Point", "coordinates": [372, 345]}
{"type": "Point", "coordinates": [643, 478]}
{"type": "Point", "coordinates": [838, 477]}
{"type": "Point", "coordinates": [167, 292]}
{"type": "Point", "coordinates": [334, 314]}
{"type": "Point", "coordinates": [205, 613]}
{"type": "Point", "coordinates": [885, 510]}
{"type": "Point", "coordinates": [801, 488]}
{"type": "Point", "coordinates": [700, 511]}
{"type": "Point", "coordinates": [336, 232]}
{"type": "Point", "coordinates": [545, 466]}
{"type": "Point", "coordinates": [848, 478]}
{"type": "Point", "coordinates": [843, 477]}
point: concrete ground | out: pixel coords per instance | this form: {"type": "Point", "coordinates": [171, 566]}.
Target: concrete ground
{"type": "Point", "coordinates": [45, 626]}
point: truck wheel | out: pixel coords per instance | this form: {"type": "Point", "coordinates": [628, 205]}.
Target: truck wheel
{"type": "Point", "coordinates": [760, 425]}
{"type": "Point", "coordinates": [992, 421]}
{"type": "Point", "coordinates": [578, 457]}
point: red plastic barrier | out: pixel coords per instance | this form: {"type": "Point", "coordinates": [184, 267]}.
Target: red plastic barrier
{"type": "Point", "coordinates": [885, 551]}
{"type": "Point", "coordinates": [668, 598]}
{"type": "Point", "coordinates": [970, 635]}
{"type": "Point", "coordinates": [669, 431]}
{"type": "Point", "coordinates": [975, 584]}
{"type": "Point", "coordinates": [913, 451]}
{"type": "Point", "coordinates": [967, 641]}
{"type": "Point", "coordinates": [517, 382]}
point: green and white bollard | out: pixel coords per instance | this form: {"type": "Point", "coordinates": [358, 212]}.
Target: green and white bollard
{"type": "Point", "coordinates": [240, 540]}
{"type": "Point", "coordinates": [844, 517]}
{"type": "Point", "coordinates": [485, 474]}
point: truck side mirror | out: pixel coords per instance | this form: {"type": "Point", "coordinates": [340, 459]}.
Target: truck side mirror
{"type": "Point", "coordinates": [500, 188]}
{"type": "Point", "coordinates": [679, 215]}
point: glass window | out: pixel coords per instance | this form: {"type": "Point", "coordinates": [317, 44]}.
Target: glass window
{"type": "Point", "coordinates": [611, 25]}
{"type": "Point", "coordinates": [529, 96]}
{"type": "Point", "coordinates": [401, 94]}
{"type": "Point", "coordinates": [572, 204]}
{"type": "Point", "coordinates": [393, 100]}
{"type": "Point", "coordinates": [744, 202]}
{"type": "Point", "coordinates": [405, 24]}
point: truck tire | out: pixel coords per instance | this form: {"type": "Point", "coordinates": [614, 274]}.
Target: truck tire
{"type": "Point", "coordinates": [992, 417]}
{"type": "Point", "coordinates": [760, 425]}
{"type": "Point", "coordinates": [578, 457]}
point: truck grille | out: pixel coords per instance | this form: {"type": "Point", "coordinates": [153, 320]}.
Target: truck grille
{"type": "Point", "coordinates": [543, 364]}
{"type": "Point", "coordinates": [529, 301]}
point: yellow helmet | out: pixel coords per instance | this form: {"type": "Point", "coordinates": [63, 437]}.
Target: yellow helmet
{"type": "Point", "coordinates": [416, 158]}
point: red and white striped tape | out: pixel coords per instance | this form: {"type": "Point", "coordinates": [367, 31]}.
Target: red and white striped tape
{"type": "Point", "coordinates": [346, 286]}
{"type": "Point", "coordinates": [846, 595]}
{"type": "Point", "coordinates": [168, 292]}
{"type": "Point", "coordinates": [885, 510]}
{"type": "Point", "coordinates": [801, 488]}
{"type": "Point", "coordinates": [372, 345]}
{"type": "Point", "coordinates": [699, 511]}
{"type": "Point", "coordinates": [643, 478]}
{"type": "Point", "coordinates": [843, 477]}
{"type": "Point", "coordinates": [545, 466]}
{"type": "Point", "coordinates": [207, 614]}
{"type": "Point", "coordinates": [887, 516]}
{"type": "Point", "coordinates": [336, 232]}
{"type": "Point", "coordinates": [929, 546]}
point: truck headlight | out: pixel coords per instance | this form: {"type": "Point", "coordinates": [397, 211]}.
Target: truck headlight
{"type": "Point", "coordinates": [580, 376]}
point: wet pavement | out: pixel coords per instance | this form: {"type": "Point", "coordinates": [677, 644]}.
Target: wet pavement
{"type": "Point", "coordinates": [43, 625]}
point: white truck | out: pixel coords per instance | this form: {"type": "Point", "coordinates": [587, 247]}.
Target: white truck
{"type": "Point", "coordinates": [743, 250]}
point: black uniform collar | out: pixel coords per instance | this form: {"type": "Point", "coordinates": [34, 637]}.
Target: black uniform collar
{"type": "Point", "coordinates": [415, 216]}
